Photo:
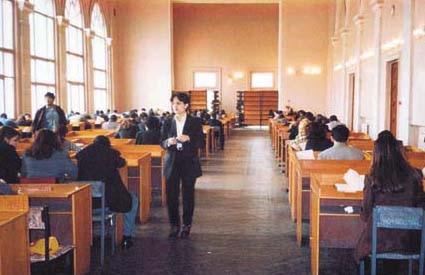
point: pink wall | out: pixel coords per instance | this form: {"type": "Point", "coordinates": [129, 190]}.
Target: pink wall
{"type": "Point", "coordinates": [142, 54]}
{"type": "Point", "coordinates": [305, 43]}
{"type": "Point", "coordinates": [228, 37]}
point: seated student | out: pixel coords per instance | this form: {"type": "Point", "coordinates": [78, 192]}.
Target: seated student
{"type": "Point", "coordinates": [10, 162]}
{"type": "Point", "coordinates": [340, 149]}
{"type": "Point", "coordinates": [153, 134]}
{"type": "Point", "coordinates": [46, 159]}
{"type": "Point", "coordinates": [99, 162]}
{"type": "Point", "coordinates": [25, 120]}
{"type": "Point", "coordinates": [391, 181]}
{"type": "Point", "coordinates": [218, 125]}
{"type": "Point", "coordinates": [7, 121]}
{"type": "Point", "coordinates": [112, 124]}
{"type": "Point", "coordinates": [333, 122]}
{"type": "Point", "coordinates": [316, 139]}
{"type": "Point", "coordinates": [301, 139]}
{"type": "Point", "coordinates": [66, 144]}
{"type": "Point", "coordinates": [127, 129]}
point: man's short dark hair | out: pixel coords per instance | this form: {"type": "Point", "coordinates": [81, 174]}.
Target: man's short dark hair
{"type": "Point", "coordinates": [340, 133]}
{"type": "Point", "coordinates": [333, 118]}
{"type": "Point", "coordinates": [183, 97]}
{"type": "Point", "coordinates": [4, 115]}
{"type": "Point", "coordinates": [50, 95]}
{"type": "Point", "coordinates": [114, 118]}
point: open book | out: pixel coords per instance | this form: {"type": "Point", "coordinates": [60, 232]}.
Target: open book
{"type": "Point", "coordinates": [354, 182]}
{"type": "Point", "coordinates": [307, 154]}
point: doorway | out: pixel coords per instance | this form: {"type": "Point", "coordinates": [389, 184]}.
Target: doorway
{"type": "Point", "coordinates": [393, 95]}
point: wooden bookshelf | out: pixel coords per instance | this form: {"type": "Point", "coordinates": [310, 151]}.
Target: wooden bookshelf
{"type": "Point", "coordinates": [254, 106]}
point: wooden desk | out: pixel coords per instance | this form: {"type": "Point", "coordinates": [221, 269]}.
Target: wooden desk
{"type": "Point", "coordinates": [139, 180]}
{"type": "Point", "coordinates": [208, 132]}
{"type": "Point", "coordinates": [14, 242]}
{"type": "Point", "coordinates": [282, 136]}
{"type": "Point", "coordinates": [157, 164]}
{"type": "Point", "coordinates": [303, 169]}
{"type": "Point", "coordinates": [70, 216]}
{"type": "Point", "coordinates": [90, 133]}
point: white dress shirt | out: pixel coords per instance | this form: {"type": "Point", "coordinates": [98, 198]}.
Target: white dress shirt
{"type": "Point", "coordinates": [180, 121]}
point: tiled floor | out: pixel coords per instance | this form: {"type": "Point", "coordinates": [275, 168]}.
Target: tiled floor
{"type": "Point", "coordinates": [241, 223]}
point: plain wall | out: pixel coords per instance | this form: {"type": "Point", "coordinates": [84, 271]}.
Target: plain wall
{"type": "Point", "coordinates": [142, 54]}
{"type": "Point", "coordinates": [305, 43]}
{"type": "Point", "coordinates": [225, 37]}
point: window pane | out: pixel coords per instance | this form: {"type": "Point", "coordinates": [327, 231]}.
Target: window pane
{"type": "Point", "coordinates": [44, 6]}
{"type": "Point", "coordinates": [205, 79]}
{"type": "Point", "coordinates": [76, 98]}
{"type": "Point", "coordinates": [99, 53]}
{"type": "Point", "coordinates": [37, 96]}
{"type": "Point", "coordinates": [1, 64]}
{"type": "Point", "coordinates": [42, 71]}
{"type": "Point", "coordinates": [8, 64]}
{"type": "Point", "coordinates": [262, 80]}
{"type": "Point", "coordinates": [6, 26]}
{"type": "Point", "coordinates": [75, 67]}
{"type": "Point", "coordinates": [73, 12]}
{"type": "Point", "coordinates": [100, 79]}
{"type": "Point", "coordinates": [100, 100]}
{"type": "Point", "coordinates": [98, 22]}
{"type": "Point", "coordinates": [9, 90]}
{"type": "Point", "coordinates": [74, 40]}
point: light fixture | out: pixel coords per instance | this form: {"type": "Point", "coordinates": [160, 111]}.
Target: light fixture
{"type": "Point", "coordinates": [238, 75]}
{"type": "Point", "coordinates": [393, 44]}
{"type": "Point", "coordinates": [419, 32]}
{"type": "Point", "coordinates": [337, 67]}
{"type": "Point", "coordinates": [366, 55]}
{"type": "Point", "coordinates": [312, 70]}
{"type": "Point", "coordinates": [290, 71]}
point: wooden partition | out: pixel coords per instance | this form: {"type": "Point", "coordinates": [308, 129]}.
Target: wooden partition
{"type": "Point", "coordinates": [14, 242]}
{"type": "Point", "coordinates": [70, 216]}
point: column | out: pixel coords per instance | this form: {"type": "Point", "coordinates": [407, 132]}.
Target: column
{"type": "Point", "coordinates": [89, 85]}
{"type": "Point", "coordinates": [405, 69]}
{"type": "Point", "coordinates": [359, 23]}
{"type": "Point", "coordinates": [23, 56]}
{"type": "Point", "coordinates": [61, 83]}
{"type": "Point", "coordinates": [375, 91]}
{"type": "Point", "coordinates": [281, 69]}
{"type": "Point", "coordinates": [110, 74]}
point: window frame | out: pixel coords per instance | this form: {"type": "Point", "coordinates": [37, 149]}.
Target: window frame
{"type": "Point", "coordinates": [268, 71]}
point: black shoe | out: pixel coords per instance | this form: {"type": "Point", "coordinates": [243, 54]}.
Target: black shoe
{"type": "Point", "coordinates": [174, 232]}
{"type": "Point", "coordinates": [127, 242]}
{"type": "Point", "coordinates": [185, 231]}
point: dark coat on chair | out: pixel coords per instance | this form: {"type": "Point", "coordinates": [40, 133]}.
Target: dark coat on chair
{"type": "Point", "coordinates": [389, 240]}
{"type": "Point", "coordinates": [149, 137]}
{"type": "Point", "coordinates": [10, 163]}
{"type": "Point", "coordinates": [189, 155]}
{"type": "Point", "coordinates": [101, 163]}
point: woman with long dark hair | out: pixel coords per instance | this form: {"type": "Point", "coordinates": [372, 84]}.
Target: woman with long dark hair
{"type": "Point", "coordinates": [391, 181]}
{"type": "Point", "coordinates": [10, 162]}
{"type": "Point", "coordinates": [46, 159]}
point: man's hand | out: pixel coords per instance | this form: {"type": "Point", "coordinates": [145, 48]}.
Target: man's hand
{"type": "Point", "coordinates": [183, 138]}
{"type": "Point", "coordinates": [172, 141]}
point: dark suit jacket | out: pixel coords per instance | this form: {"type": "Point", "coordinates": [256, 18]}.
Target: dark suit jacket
{"type": "Point", "coordinates": [389, 240]}
{"type": "Point", "coordinates": [40, 116]}
{"type": "Point", "coordinates": [101, 163]}
{"type": "Point", "coordinates": [189, 155]}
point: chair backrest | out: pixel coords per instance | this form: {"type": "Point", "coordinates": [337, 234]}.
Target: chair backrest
{"type": "Point", "coordinates": [399, 217]}
{"type": "Point", "coordinates": [37, 180]}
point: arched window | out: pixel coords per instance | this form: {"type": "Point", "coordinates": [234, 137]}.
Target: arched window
{"type": "Point", "coordinates": [7, 75]}
{"type": "Point", "coordinates": [100, 59]}
{"type": "Point", "coordinates": [43, 61]}
{"type": "Point", "coordinates": [75, 56]}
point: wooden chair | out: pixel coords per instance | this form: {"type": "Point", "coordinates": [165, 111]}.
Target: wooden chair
{"type": "Point", "coordinates": [37, 180]}
{"type": "Point", "coordinates": [50, 262]}
{"type": "Point", "coordinates": [397, 217]}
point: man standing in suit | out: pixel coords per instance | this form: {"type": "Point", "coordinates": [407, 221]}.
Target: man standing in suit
{"type": "Point", "coordinates": [181, 136]}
